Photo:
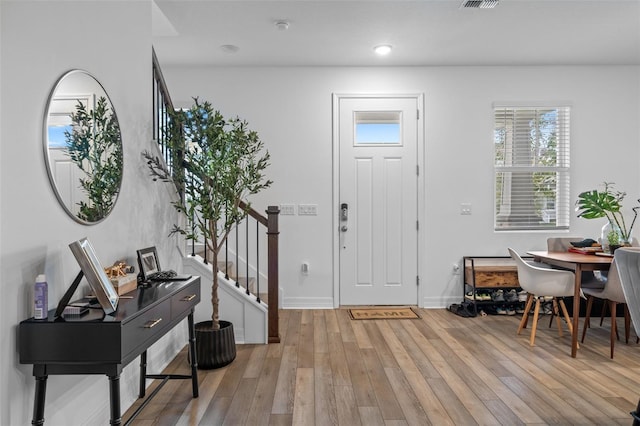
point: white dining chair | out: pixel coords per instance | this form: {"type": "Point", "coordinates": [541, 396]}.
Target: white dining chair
{"type": "Point", "coordinates": [612, 296]}
{"type": "Point", "coordinates": [561, 243]}
{"type": "Point", "coordinates": [589, 279]}
{"type": "Point", "coordinates": [628, 265]}
{"type": "Point", "coordinates": [628, 268]}
{"type": "Point", "coordinates": [541, 282]}
{"type": "Point", "coordinates": [603, 276]}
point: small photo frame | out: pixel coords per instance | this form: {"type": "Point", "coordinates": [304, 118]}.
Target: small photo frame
{"type": "Point", "coordinates": [95, 275]}
{"type": "Point", "coordinates": [148, 262]}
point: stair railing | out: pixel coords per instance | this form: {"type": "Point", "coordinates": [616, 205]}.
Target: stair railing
{"type": "Point", "coordinates": [270, 224]}
{"type": "Point", "coordinates": [248, 253]}
{"type": "Point", "coordinates": [245, 252]}
{"type": "Point", "coordinates": [162, 104]}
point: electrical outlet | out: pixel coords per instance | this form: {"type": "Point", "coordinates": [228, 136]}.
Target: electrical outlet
{"type": "Point", "coordinates": [456, 269]}
{"type": "Point", "coordinates": [465, 209]}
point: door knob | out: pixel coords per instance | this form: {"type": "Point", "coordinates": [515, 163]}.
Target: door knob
{"type": "Point", "coordinates": [343, 228]}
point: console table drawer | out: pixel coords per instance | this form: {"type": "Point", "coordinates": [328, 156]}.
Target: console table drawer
{"type": "Point", "coordinates": [147, 326]}
{"type": "Point", "coordinates": [185, 300]}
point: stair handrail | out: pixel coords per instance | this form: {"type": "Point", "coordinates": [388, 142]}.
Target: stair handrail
{"type": "Point", "coordinates": [162, 104]}
{"type": "Point", "coordinates": [254, 213]}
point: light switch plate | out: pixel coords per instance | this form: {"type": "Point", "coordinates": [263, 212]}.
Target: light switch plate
{"type": "Point", "coordinates": [287, 209]}
{"type": "Point", "coordinates": [307, 209]}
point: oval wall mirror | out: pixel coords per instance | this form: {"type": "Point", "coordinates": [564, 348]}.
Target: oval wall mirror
{"type": "Point", "coordinates": [83, 147]}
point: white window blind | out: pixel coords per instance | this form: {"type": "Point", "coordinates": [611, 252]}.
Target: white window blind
{"type": "Point", "coordinates": [531, 168]}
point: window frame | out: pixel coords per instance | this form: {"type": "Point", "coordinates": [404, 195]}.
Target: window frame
{"type": "Point", "coordinates": [526, 141]}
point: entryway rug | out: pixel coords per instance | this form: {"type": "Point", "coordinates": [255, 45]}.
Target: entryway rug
{"type": "Point", "coordinates": [382, 312]}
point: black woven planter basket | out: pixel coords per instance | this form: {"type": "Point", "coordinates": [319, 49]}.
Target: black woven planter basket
{"type": "Point", "coordinates": [214, 348]}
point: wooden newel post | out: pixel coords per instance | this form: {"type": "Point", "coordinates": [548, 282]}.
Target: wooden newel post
{"type": "Point", "coordinates": [272, 275]}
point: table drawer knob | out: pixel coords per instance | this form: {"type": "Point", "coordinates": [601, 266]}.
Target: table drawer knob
{"type": "Point", "coordinates": [188, 298]}
{"type": "Point", "coordinates": [152, 323]}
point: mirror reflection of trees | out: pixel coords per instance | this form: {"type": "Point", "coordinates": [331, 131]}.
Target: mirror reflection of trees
{"type": "Point", "coordinates": [83, 147]}
{"type": "Point", "coordinates": [95, 147]}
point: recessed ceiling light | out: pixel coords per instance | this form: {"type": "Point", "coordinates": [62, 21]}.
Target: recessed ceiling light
{"type": "Point", "coordinates": [383, 49]}
{"type": "Point", "coordinates": [282, 24]}
{"type": "Point", "coordinates": [229, 48]}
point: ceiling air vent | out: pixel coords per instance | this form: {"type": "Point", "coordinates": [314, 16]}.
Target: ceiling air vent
{"type": "Point", "coordinates": [479, 4]}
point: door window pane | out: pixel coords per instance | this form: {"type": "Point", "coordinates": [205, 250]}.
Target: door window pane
{"type": "Point", "coordinates": [377, 128]}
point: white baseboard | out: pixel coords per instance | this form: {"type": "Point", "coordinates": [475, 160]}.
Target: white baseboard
{"type": "Point", "coordinates": [307, 303]}
{"type": "Point", "coordinates": [327, 302]}
{"type": "Point", "coordinates": [439, 302]}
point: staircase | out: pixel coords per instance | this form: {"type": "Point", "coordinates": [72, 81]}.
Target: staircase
{"type": "Point", "coordinates": [242, 295]}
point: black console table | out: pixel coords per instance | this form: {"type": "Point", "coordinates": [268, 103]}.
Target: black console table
{"type": "Point", "coordinates": [104, 344]}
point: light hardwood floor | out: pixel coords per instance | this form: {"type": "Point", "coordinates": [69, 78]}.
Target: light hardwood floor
{"type": "Point", "coordinates": [441, 369]}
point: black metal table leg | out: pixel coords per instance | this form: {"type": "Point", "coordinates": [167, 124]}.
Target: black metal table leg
{"type": "Point", "coordinates": [38, 403]}
{"type": "Point", "coordinates": [143, 374]}
{"type": "Point", "coordinates": [192, 353]}
{"type": "Point", "coordinates": [114, 397]}
{"type": "Point", "coordinates": [636, 415]}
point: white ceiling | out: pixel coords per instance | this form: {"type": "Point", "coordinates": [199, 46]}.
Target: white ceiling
{"type": "Point", "coordinates": [422, 32]}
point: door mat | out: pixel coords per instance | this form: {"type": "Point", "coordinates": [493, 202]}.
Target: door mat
{"type": "Point", "coordinates": [383, 313]}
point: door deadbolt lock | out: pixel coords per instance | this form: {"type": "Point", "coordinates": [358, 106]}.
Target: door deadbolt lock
{"type": "Point", "coordinates": [344, 212]}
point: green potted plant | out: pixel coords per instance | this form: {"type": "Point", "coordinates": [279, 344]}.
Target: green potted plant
{"type": "Point", "coordinates": [607, 203]}
{"type": "Point", "coordinates": [613, 239]}
{"type": "Point", "coordinates": [224, 163]}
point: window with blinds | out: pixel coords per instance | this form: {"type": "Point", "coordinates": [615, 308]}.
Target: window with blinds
{"type": "Point", "coordinates": [531, 168]}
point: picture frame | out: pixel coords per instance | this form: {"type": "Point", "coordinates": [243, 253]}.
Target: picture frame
{"type": "Point", "coordinates": [148, 262]}
{"type": "Point", "coordinates": [97, 278]}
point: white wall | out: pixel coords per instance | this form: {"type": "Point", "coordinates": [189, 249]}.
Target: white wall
{"type": "Point", "coordinates": [291, 110]}
{"type": "Point", "coordinates": [39, 42]}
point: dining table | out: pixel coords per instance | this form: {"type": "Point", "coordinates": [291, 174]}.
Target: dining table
{"type": "Point", "coordinates": [577, 262]}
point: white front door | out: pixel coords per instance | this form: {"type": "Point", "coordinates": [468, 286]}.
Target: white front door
{"type": "Point", "coordinates": [378, 191]}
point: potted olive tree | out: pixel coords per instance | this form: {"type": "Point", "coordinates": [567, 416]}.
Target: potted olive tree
{"type": "Point", "coordinates": [595, 204]}
{"type": "Point", "coordinates": [217, 164]}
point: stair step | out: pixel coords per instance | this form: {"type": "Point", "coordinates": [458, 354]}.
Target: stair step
{"type": "Point", "coordinates": [229, 269]}
{"type": "Point", "coordinates": [225, 266]}
{"type": "Point", "coordinates": [264, 294]}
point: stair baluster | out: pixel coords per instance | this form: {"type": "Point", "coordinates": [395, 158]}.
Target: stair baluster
{"type": "Point", "coordinates": [258, 261]}
{"type": "Point", "coordinates": [237, 263]}
{"type": "Point", "coordinates": [246, 258]}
